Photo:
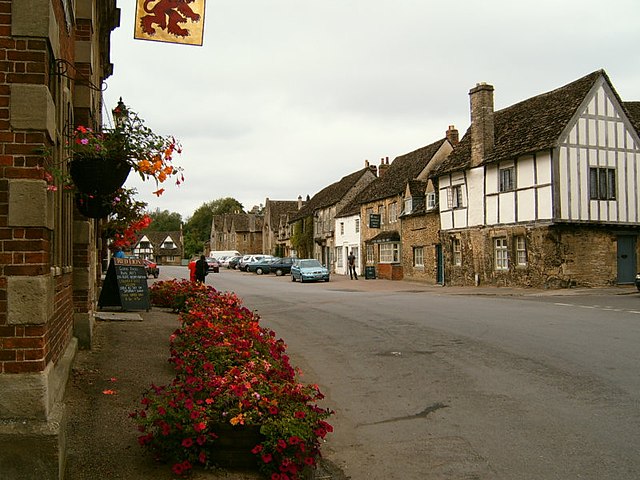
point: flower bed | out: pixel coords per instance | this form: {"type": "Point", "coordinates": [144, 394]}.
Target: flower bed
{"type": "Point", "coordinates": [231, 375]}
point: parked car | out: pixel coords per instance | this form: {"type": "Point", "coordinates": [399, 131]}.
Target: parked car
{"type": "Point", "coordinates": [233, 263]}
{"type": "Point", "coordinates": [214, 265]}
{"type": "Point", "coordinates": [281, 266]}
{"type": "Point", "coordinates": [247, 259]}
{"type": "Point", "coordinates": [261, 266]}
{"type": "Point", "coordinates": [308, 269]}
{"type": "Point", "coordinates": [151, 268]}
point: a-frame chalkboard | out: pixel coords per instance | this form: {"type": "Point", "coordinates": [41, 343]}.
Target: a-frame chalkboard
{"type": "Point", "coordinates": [125, 285]}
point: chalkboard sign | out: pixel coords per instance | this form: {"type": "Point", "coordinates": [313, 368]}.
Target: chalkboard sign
{"type": "Point", "coordinates": [374, 220]}
{"type": "Point", "coordinates": [369, 273]}
{"type": "Point", "coordinates": [125, 285]}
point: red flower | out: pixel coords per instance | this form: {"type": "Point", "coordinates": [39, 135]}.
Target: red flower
{"type": "Point", "coordinates": [187, 442]}
{"type": "Point", "coordinates": [266, 458]}
{"type": "Point", "coordinates": [256, 449]}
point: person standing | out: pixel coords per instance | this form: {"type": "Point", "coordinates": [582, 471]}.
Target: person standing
{"type": "Point", "coordinates": [201, 269]}
{"type": "Point", "coordinates": [119, 253]}
{"type": "Point", "coordinates": [351, 261]}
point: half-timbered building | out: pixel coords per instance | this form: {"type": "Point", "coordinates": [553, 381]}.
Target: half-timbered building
{"type": "Point", "coordinates": [544, 193]}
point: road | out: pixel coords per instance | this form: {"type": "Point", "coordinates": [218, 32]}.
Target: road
{"type": "Point", "coordinates": [432, 385]}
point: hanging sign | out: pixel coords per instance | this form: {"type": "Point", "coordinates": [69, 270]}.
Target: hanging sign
{"type": "Point", "coordinates": [172, 21]}
{"type": "Point", "coordinates": [125, 285]}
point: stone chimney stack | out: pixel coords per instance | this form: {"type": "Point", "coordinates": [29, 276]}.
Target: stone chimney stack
{"type": "Point", "coordinates": [373, 168]}
{"type": "Point", "coordinates": [299, 202]}
{"type": "Point", "coordinates": [482, 126]}
{"type": "Point", "coordinates": [452, 135]}
{"type": "Point", "coordinates": [383, 166]}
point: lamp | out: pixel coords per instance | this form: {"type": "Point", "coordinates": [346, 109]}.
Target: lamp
{"type": "Point", "coordinates": [120, 113]}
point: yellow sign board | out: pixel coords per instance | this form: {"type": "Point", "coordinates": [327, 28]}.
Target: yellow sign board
{"type": "Point", "coordinates": [172, 21]}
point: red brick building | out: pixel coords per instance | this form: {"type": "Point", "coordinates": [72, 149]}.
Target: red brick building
{"type": "Point", "coordinates": [54, 56]}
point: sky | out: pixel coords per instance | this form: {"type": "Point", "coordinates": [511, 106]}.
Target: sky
{"type": "Point", "coordinates": [285, 97]}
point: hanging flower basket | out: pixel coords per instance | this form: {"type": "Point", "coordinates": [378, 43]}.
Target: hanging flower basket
{"type": "Point", "coordinates": [98, 175]}
{"type": "Point", "coordinates": [94, 206]}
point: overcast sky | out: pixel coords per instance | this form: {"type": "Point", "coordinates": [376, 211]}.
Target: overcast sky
{"type": "Point", "coordinates": [287, 96]}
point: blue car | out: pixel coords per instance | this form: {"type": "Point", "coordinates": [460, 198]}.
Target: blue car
{"type": "Point", "coordinates": [308, 270]}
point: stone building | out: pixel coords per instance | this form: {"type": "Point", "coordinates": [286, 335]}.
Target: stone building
{"type": "Point", "coordinates": [544, 193]}
{"type": "Point", "coordinates": [320, 211]}
{"type": "Point", "coordinates": [276, 213]}
{"type": "Point", "coordinates": [237, 231]}
{"type": "Point", "coordinates": [382, 206]}
{"type": "Point", "coordinates": [55, 57]}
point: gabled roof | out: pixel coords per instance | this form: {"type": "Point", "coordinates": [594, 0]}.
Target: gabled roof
{"type": "Point", "coordinates": [417, 188]}
{"type": "Point", "coordinates": [329, 195]}
{"type": "Point", "coordinates": [529, 126]}
{"type": "Point", "coordinates": [277, 208]}
{"type": "Point", "coordinates": [403, 168]}
{"type": "Point", "coordinates": [156, 239]}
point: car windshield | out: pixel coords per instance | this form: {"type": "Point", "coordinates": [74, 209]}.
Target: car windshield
{"type": "Point", "coordinates": [310, 264]}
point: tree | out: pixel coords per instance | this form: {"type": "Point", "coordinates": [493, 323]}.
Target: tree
{"type": "Point", "coordinates": [197, 229]}
{"type": "Point", "coordinates": [165, 221]}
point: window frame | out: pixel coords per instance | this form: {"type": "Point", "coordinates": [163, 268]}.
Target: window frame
{"type": "Point", "coordinates": [390, 252]}
{"type": "Point", "coordinates": [602, 183]}
{"type": "Point", "coordinates": [507, 179]}
{"type": "Point", "coordinates": [454, 197]}
{"type": "Point", "coordinates": [501, 254]}
{"type": "Point", "coordinates": [418, 256]}
{"type": "Point", "coordinates": [456, 252]}
{"type": "Point", "coordinates": [521, 250]}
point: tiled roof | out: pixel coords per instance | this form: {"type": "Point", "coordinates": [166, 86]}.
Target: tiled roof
{"type": "Point", "coordinates": [417, 188]}
{"type": "Point", "coordinates": [329, 195]}
{"type": "Point", "coordinates": [529, 126]}
{"type": "Point", "coordinates": [156, 239]}
{"type": "Point", "coordinates": [633, 109]}
{"type": "Point", "coordinates": [403, 168]}
{"type": "Point", "coordinates": [277, 208]}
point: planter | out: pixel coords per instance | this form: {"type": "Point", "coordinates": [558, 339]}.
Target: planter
{"type": "Point", "coordinates": [94, 206]}
{"type": "Point", "coordinates": [98, 175]}
{"type": "Point", "coordinates": [232, 448]}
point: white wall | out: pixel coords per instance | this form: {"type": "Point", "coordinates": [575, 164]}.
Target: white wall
{"type": "Point", "coordinates": [346, 242]}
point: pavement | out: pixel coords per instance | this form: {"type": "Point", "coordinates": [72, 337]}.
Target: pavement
{"type": "Point", "coordinates": [130, 351]}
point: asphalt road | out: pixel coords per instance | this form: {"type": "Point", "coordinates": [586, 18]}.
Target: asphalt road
{"type": "Point", "coordinates": [432, 385]}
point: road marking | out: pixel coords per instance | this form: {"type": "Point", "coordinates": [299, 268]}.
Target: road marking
{"type": "Point", "coordinates": [597, 307]}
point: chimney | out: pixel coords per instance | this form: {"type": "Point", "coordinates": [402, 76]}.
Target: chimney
{"type": "Point", "coordinates": [452, 135]}
{"type": "Point", "coordinates": [383, 166]}
{"type": "Point", "coordinates": [373, 168]}
{"type": "Point", "coordinates": [482, 127]}
{"type": "Point", "coordinates": [299, 202]}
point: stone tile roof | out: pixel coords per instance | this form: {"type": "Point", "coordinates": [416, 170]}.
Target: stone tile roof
{"type": "Point", "coordinates": [633, 109]}
{"type": "Point", "coordinates": [529, 126]}
{"type": "Point", "coordinates": [156, 239]}
{"type": "Point", "coordinates": [329, 195]}
{"type": "Point", "coordinates": [278, 208]}
{"type": "Point", "coordinates": [403, 168]}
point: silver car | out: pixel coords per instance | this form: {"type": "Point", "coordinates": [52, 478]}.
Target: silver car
{"type": "Point", "coordinates": [309, 270]}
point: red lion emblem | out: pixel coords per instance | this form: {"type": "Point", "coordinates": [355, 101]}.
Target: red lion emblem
{"type": "Point", "coordinates": [167, 15]}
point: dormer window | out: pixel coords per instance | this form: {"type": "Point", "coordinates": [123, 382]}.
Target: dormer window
{"type": "Point", "coordinates": [431, 200]}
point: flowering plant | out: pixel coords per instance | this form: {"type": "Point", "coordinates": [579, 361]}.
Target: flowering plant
{"type": "Point", "coordinates": [149, 154]}
{"type": "Point", "coordinates": [231, 373]}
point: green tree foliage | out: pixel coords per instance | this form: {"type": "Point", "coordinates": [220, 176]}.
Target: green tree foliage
{"type": "Point", "coordinates": [165, 221]}
{"type": "Point", "coordinates": [197, 229]}
{"type": "Point", "coordinates": [302, 237]}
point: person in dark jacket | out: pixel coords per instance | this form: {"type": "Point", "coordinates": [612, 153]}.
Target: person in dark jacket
{"type": "Point", "coordinates": [201, 269]}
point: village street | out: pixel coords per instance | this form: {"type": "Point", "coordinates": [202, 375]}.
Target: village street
{"type": "Point", "coordinates": [435, 383]}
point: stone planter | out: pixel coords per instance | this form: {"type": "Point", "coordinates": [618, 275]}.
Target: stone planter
{"type": "Point", "coordinates": [97, 175]}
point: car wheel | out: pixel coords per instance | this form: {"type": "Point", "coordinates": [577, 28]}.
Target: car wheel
{"type": "Point", "coordinates": [279, 272]}
{"type": "Point", "coordinates": [259, 271]}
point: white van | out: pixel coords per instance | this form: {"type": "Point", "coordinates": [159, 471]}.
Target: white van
{"type": "Point", "coordinates": [220, 255]}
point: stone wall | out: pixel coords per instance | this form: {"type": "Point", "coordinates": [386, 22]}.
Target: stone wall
{"type": "Point", "coordinates": [420, 231]}
{"type": "Point", "coordinates": [558, 256]}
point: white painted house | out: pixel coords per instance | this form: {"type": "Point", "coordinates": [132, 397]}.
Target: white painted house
{"type": "Point", "coordinates": [347, 239]}
{"type": "Point", "coordinates": [544, 192]}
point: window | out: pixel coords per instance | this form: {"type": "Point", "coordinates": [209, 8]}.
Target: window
{"type": "Point", "coordinates": [341, 228]}
{"type": "Point", "coordinates": [168, 244]}
{"type": "Point", "coordinates": [393, 212]}
{"type": "Point", "coordinates": [454, 196]}
{"type": "Point", "coordinates": [371, 254]}
{"type": "Point", "coordinates": [381, 213]}
{"type": "Point", "coordinates": [507, 179]}
{"type": "Point", "coordinates": [602, 183]}
{"type": "Point", "coordinates": [501, 253]}
{"type": "Point", "coordinates": [389, 253]}
{"type": "Point", "coordinates": [418, 256]}
{"type": "Point", "coordinates": [521, 251]}
{"type": "Point", "coordinates": [357, 225]}
{"type": "Point", "coordinates": [170, 258]}
{"type": "Point", "coordinates": [457, 252]}
{"type": "Point", "coordinates": [338, 257]}
{"type": "Point", "coordinates": [431, 200]}
{"type": "Point", "coordinates": [408, 205]}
